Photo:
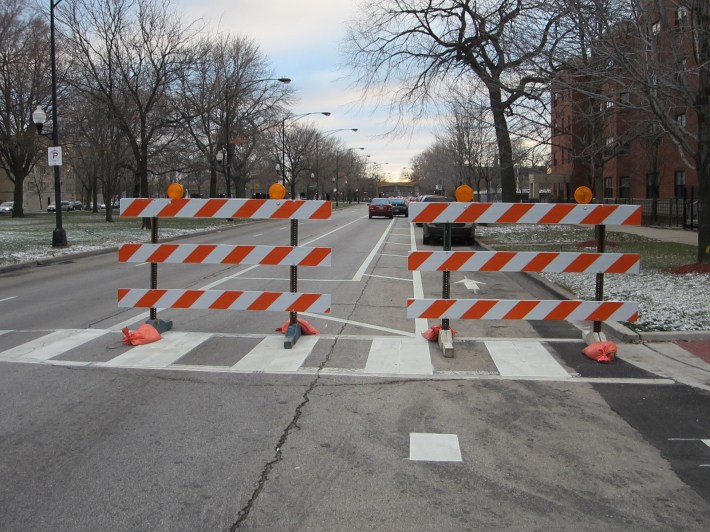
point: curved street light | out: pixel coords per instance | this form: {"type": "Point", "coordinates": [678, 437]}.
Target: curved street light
{"type": "Point", "coordinates": [292, 119]}
{"type": "Point", "coordinates": [324, 135]}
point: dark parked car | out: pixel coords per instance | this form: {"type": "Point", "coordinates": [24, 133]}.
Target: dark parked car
{"type": "Point", "coordinates": [400, 206]}
{"type": "Point", "coordinates": [66, 206]}
{"type": "Point", "coordinates": [465, 232]}
{"type": "Point", "coordinates": [76, 205]}
{"type": "Point", "coordinates": [380, 207]}
{"type": "Point", "coordinates": [432, 197]}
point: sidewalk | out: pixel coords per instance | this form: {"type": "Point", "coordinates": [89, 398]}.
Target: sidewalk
{"type": "Point", "coordinates": [684, 355]}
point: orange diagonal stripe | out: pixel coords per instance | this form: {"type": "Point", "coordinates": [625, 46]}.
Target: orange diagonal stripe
{"type": "Point", "coordinates": [557, 213]}
{"type": "Point", "coordinates": [287, 209]}
{"type": "Point", "coordinates": [520, 310]}
{"type": "Point", "coordinates": [416, 259]}
{"type": "Point", "coordinates": [323, 212]}
{"type": "Point", "coordinates": [581, 262]}
{"type": "Point", "coordinates": [430, 212]}
{"type": "Point", "coordinates": [625, 263]}
{"type": "Point", "coordinates": [173, 208]}
{"type": "Point", "coordinates": [563, 310]}
{"type": "Point", "coordinates": [126, 251]}
{"type": "Point", "coordinates": [187, 299]}
{"type": "Point", "coordinates": [226, 299]}
{"type": "Point", "coordinates": [200, 253]}
{"type": "Point", "coordinates": [248, 208]}
{"type": "Point", "coordinates": [210, 208]}
{"type": "Point", "coordinates": [238, 254]}
{"type": "Point", "coordinates": [605, 310]}
{"type": "Point", "coordinates": [473, 212]}
{"type": "Point", "coordinates": [276, 255]}
{"type": "Point", "coordinates": [162, 252]}
{"type": "Point", "coordinates": [479, 309]}
{"type": "Point", "coordinates": [264, 301]}
{"type": "Point", "coordinates": [635, 218]}
{"type": "Point", "coordinates": [456, 261]}
{"type": "Point", "coordinates": [150, 299]}
{"type": "Point", "coordinates": [304, 303]}
{"type": "Point", "coordinates": [540, 261]}
{"type": "Point", "coordinates": [122, 293]}
{"type": "Point", "coordinates": [498, 261]}
{"type": "Point", "coordinates": [599, 214]}
{"type": "Point", "coordinates": [315, 257]}
{"type": "Point", "coordinates": [515, 212]}
{"type": "Point", "coordinates": [437, 308]}
{"type": "Point", "coordinates": [136, 207]}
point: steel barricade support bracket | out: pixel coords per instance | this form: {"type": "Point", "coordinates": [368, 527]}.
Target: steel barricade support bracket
{"type": "Point", "coordinates": [446, 343]}
{"type": "Point", "coordinates": [161, 325]}
{"type": "Point", "coordinates": [293, 333]}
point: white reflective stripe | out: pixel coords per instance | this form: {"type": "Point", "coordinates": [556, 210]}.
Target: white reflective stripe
{"type": "Point", "coordinates": [160, 354]}
{"type": "Point", "coordinates": [524, 359]}
{"type": "Point", "coordinates": [401, 356]}
{"type": "Point", "coordinates": [270, 355]}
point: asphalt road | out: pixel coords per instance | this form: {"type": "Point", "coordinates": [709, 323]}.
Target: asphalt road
{"type": "Point", "coordinates": [365, 427]}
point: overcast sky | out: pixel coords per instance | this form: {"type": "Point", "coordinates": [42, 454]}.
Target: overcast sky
{"type": "Point", "coordinates": [302, 39]}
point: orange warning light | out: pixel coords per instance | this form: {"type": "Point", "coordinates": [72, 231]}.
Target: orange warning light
{"type": "Point", "coordinates": [175, 191]}
{"type": "Point", "coordinates": [277, 191]}
{"type": "Point", "coordinates": [464, 193]}
{"type": "Point", "coordinates": [583, 195]}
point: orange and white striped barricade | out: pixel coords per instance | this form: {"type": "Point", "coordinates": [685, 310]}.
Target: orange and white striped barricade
{"type": "Point", "coordinates": [513, 261]}
{"type": "Point", "coordinates": [292, 256]}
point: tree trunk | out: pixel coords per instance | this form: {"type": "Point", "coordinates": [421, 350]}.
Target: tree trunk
{"type": "Point", "coordinates": [505, 146]}
{"type": "Point", "coordinates": [18, 197]}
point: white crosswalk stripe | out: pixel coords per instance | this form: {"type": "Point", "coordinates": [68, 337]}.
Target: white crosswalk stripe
{"type": "Point", "coordinates": [524, 359]}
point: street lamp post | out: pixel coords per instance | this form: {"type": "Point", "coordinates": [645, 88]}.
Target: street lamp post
{"type": "Point", "coordinates": [324, 135]}
{"type": "Point", "coordinates": [59, 236]}
{"type": "Point", "coordinates": [337, 169]}
{"type": "Point", "coordinates": [283, 147]}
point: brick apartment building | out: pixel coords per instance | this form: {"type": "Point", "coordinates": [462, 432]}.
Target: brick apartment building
{"type": "Point", "coordinates": [611, 136]}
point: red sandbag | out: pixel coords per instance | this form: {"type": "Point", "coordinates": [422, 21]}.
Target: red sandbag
{"type": "Point", "coordinates": [602, 352]}
{"type": "Point", "coordinates": [306, 328]}
{"type": "Point", "coordinates": [145, 334]}
{"type": "Point", "coordinates": [432, 333]}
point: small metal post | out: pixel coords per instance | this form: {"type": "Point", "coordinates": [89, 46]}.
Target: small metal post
{"type": "Point", "coordinates": [600, 231]}
{"type": "Point", "coordinates": [294, 269]}
{"type": "Point", "coordinates": [446, 291]}
{"type": "Point", "coordinates": [154, 266]}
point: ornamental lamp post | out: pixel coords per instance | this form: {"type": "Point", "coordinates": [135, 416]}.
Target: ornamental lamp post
{"type": "Point", "coordinates": [39, 117]}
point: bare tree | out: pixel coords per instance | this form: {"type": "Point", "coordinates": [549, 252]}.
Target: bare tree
{"type": "Point", "coordinates": [24, 83]}
{"type": "Point", "coordinates": [128, 55]}
{"type": "Point", "coordinates": [419, 45]}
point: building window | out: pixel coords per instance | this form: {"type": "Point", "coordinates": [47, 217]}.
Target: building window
{"type": "Point", "coordinates": [609, 146]}
{"type": "Point", "coordinates": [624, 97]}
{"type": "Point", "coordinates": [681, 17]}
{"type": "Point", "coordinates": [608, 188]}
{"type": "Point", "coordinates": [681, 119]}
{"type": "Point", "coordinates": [623, 146]}
{"type": "Point", "coordinates": [652, 182]}
{"type": "Point", "coordinates": [679, 184]}
{"type": "Point", "coordinates": [609, 104]}
{"type": "Point", "coordinates": [656, 28]}
{"type": "Point", "coordinates": [625, 187]}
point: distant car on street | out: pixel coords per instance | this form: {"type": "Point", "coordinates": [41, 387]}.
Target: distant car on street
{"type": "Point", "coordinates": [65, 206]}
{"type": "Point", "coordinates": [400, 206]}
{"type": "Point", "coordinates": [76, 205]}
{"type": "Point", "coordinates": [380, 207]}
{"type": "Point", "coordinates": [6, 207]}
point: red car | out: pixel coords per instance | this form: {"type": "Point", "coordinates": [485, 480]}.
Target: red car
{"type": "Point", "coordinates": [380, 207]}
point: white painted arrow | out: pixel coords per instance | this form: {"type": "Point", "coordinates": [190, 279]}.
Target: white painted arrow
{"type": "Point", "coordinates": [470, 284]}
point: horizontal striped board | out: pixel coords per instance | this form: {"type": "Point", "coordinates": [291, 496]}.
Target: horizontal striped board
{"type": "Point", "coordinates": [513, 309]}
{"type": "Point", "coordinates": [224, 254]}
{"type": "Point", "coordinates": [223, 300]}
{"type": "Point", "coordinates": [526, 261]}
{"type": "Point", "coordinates": [225, 208]}
{"type": "Point", "coordinates": [524, 213]}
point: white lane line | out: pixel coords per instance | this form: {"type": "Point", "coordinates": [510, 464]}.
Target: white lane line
{"type": "Point", "coordinates": [359, 324]}
{"type": "Point", "coordinates": [366, 264]}
{"type": "Point", "coordinates": [50, 345]}
{"type": "Point", "coordinates": [392, 255]}
{"type": "Point", "coordinates": [331, 232]}
{"type": "Point", "coordinates": [420, 324]}
{"type": "Point", "coordinates": [387, 277]}
{"type": "Point", "coordinates": [257, 235]}
{"type": "Point", "coordinates": [270, 355]}
{"type": "Point", "coordinates": [526, 359]}
{"type": "Point", "coordinates": [7, 298]}
{"type": "Point", "coordinates": [160, 354]}
{"type": "Point", "coordinates": [424, 447]}
{"type": "Point", "coordinates": [400, 356]}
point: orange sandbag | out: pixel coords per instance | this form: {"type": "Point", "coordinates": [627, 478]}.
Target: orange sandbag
{"type": "Point", "coordinates": [306, 328]}
{"type": "Point", "coordinates": [432, 333]}
{"type": "Point", "coordinates": [601, 351]}
{"type": "Point", "coordinates": [145, 334]}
